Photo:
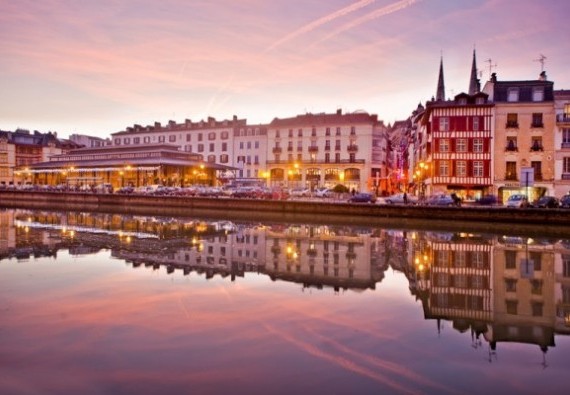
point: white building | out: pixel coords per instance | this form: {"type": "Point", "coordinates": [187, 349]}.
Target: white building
{"type": "Point", "coordinates": [314, 150]}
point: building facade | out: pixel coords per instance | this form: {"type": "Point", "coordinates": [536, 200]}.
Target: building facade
{"type": "Point", "coordinates": [524, 136]}
{"type": "Point", "coordinates": [562, 143]}
{"type": "Point", "coordinates": [323, 150]}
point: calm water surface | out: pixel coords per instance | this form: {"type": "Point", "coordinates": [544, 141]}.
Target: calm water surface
{"type": "Point", "coordinates": [104, 304]}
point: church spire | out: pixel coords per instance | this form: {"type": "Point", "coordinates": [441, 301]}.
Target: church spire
{"type": "Point", "coordinates": [440, 95]}
{"type": "Point", "coordinates": [473, 81]}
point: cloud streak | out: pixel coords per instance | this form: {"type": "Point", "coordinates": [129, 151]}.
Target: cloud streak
{"type": "Point", "coordinates": [321, 21]}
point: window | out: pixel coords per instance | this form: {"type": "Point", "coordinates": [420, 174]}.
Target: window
{"type": "Point", "coordinates": [161, 139]}
{"type": "Point", "coordinates": [565, 138]}
{"type": "Point", "coordinates": [461, 145]}
{"type": "Point", "coordinates": [249, 145]}
{"type": "Point", "coordinates": [478, 145]}
{"type": "Point", "coordinates": [337, 145]}
{"type": "Point", "coordinates": [536, 144]}
{"type": "Point", "coordinates": [200, 147]}
{"type": "Point", "coordinates": [338, 131]}
{"type": "Point", "coordinates": [537, 166]}
{"type": "Point", "coordinates": [300, 133]}
{"type": "Point", "coordinates": [337, 158]}
{"type": "Point", "coordinates": [444, 145]}
{"type": "Point", "coordinates": [172, 138]}
{"type": "Point", "coordinates": [444, 168]}
{"type": "Point", "coordinates": [536, 309]}
{"type": "Point", "coordinates": [537, 94]}
{"type": "Point", "coordinates": [511, 306]}
{"type": "Point", "coordinates": [510, 285]}
{"type": "Point", "coordinates": [300, 145]}
{"type": "Point", "coordinates": [512, 120]}
{"type": "Point", "coordinates": [461, 168]}
{"type": "Point", "coordinates": [127, 141]}
{"type": "Point", "coordinates": [212, 136]}
{"type": "Point", "coordinates": [352, 130]}
{"type": "Point", "coordinates": [136, 140]}
{"type": "Point", "coordinates": [327, 131]}
{"type": "Point", "coordinates": [200, 137]}
{"type": "Point", "coordinates": [224, 135]}
{"type": "Point", "coordinates": [444, 124]}
{"type": "Point", "coordinates": [475, 124]}
{"type": "Point", "coordinates": [511, 171]}
{"type": "Point", "coordinates": [290, 132]}
{"type": "Point", "coordinates": [211, 158]}
{"type": "Point", "coordinates": [256, 144]}
{"type": "Point", "coordinates": [511, 144]}
{"type": "Point", "coordinates": [327, 157]}
{"type": "Point", "coordinates": [212, 147]}
{"type": "Point", "coordinates": [513, 94]}
{"type": "Point", "coordinates": [117, 141]}
{"type": "Point", "coordinates": [224, 147]}
{"type": "Point", "coordinates": [314, 132]}
{"type": "Point", "coordinates": [537, 120]}
{"type": "Point", "coordinates": [146, 139]}
{"type": "Point", "coordinates": [478, 169]}
{"type": "Point", "coordinates": [510, 259]}
{"type": "Point", "coordinates": [566, 165]}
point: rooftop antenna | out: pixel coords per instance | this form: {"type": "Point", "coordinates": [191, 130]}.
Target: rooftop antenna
{"type": "Point", "coordinates": [541, 60]}
{"type": "Point", "coordinates": [491, 66]}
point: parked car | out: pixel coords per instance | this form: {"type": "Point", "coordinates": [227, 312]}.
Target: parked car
{"type": "Point", "coordinates": [362, 197]}
{"type": "Point", "coordinates": [300, 192]}
{"type": "Point", "coordinates": [547, 202]}
{"type": "Point", "coordinates": [517, 201]}
{"type": "Point", "coordinates": [398, 198]}
{"type": "Point", "coordinates": [565, 201]}
{"type": "Point", "coordinates": [441, 200]}
{"type": "Point", "coordinates": [488, 200]}
{"type": "Point", "coordinates": [323, 192]}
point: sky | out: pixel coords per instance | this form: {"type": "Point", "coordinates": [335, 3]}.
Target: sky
{"type": "Point", "coordinates": [97, 67]}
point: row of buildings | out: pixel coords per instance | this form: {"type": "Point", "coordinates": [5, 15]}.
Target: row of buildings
{"type": "Point", "coordinates": [508, 137]}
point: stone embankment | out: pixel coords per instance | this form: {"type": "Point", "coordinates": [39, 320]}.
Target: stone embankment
{"type": "Point", "coordinates": [465, 218]}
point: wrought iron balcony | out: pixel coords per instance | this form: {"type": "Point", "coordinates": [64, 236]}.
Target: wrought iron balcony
{"type": "Point", "coordinates": [512, 124]}
{"type": "Point", "coordinates": [537, 125]}
{"type": "Point", "coordinates": [352, 148]}
{"type": "Point", "coordinates": [563, 118]}
{"type": "Point", "coordinates": [277, 150]}
{"type": "Point", "coordinates": [313, 148]}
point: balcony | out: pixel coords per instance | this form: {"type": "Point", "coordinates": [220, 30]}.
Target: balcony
{"type": "Point", "coordinates": [289, 149]}
{"type": "Point", "coordinates": [277, 150]}
{"type": "Point", "coordinates": [536, 148]}
{"type": "Point", "coordinates": [566, 176]}
{"type": "Point", "coordinates": [511, 177]}
{"type": "Point", "coordinates": [511, 148]}
{"type": "Point", "coordinates": [565, 145]}
{"type": "Point", "coordinates": [537, 125]}
{"type": "Point", "coordinates": [313, 148]}
{"type": "Point", "coordinates": [352, 148]}
{"type": "Point", "coordinates": [563, 118]}
{"type": "Point", "coordinates": [512, 124]}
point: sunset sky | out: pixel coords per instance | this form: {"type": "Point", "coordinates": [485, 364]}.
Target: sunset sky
{"type": "Point", "coordinates": [96, 67]}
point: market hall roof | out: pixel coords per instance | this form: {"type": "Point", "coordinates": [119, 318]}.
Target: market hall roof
{"type": "Point", "coordinates": [114, 156]}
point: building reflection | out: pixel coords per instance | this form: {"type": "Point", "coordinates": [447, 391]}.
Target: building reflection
{"type": "Point", "coordinates": [499, 288]}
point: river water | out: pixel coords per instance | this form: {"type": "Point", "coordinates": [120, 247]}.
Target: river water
{"type": "Point", "coordinates": [94, 303]}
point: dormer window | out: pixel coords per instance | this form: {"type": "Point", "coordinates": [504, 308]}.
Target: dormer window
{"type": "Point", "coordinates": [538, 94]}
{"type": "Point", "coordinates": [513, 95]}
{"type": "Point", "coordinates": [462, 101]}
{"type": "Point", "coordinates": [479, 100]}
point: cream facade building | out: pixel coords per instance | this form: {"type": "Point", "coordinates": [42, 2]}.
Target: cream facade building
{"type": "Point", "coordinates": [323, 150]}
{"type": "Point", "coordinates": [523, 141]}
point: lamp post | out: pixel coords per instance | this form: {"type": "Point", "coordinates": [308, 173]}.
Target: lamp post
{"type": "Point", "coordinates": [420, 176]}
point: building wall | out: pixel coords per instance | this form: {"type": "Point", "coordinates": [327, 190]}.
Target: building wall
{"type": "Point", "coordinates": [316, 150]}
{"type": "Point", "coordinates": [562, 143]}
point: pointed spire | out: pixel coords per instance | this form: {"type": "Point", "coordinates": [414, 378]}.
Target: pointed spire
{"type": "Point", "coordinates": [440, 95]}
{"type": "Point", "coordinates": [473, 81]}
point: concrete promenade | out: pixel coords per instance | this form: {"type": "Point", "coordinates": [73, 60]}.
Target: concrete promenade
{"type": "Point", "coordinates": [467, 218]}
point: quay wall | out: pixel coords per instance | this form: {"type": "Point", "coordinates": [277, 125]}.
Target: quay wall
{"type": "Point", "coordinates": [315, 211]}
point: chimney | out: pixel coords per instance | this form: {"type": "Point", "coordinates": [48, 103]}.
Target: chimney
{"type": "Point", "coordinates": [494, 77]}
{"type": "Point", "coordinates": [542, 76]}
{"type": "Point", "coordinates": [339, 111]}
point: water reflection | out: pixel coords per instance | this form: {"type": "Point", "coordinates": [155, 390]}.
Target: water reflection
{"type": "Point", "coordinates": [498, 288]}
